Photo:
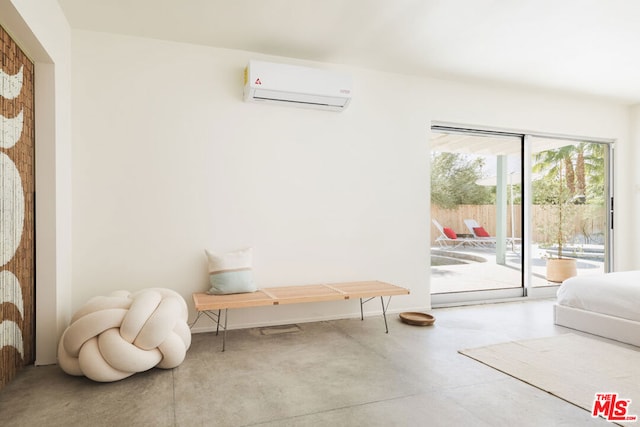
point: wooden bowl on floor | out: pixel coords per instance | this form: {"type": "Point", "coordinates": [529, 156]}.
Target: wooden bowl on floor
{"type": "Point", "coordinates": [417, 319]}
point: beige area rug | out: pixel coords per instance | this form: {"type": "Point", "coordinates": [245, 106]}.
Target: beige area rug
{"type": "Point", "coordinates": [573, 368]}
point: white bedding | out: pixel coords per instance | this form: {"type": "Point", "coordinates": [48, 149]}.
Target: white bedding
{"type": "Point", "coordinates": [615, 294]}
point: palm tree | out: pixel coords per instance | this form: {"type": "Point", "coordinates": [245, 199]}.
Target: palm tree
{"type": "Point", "coordinates": [558, 162]}
{"type": "Point", "coordinates": [560, 173]}
{"type": "Point", "coordinates": [582, 166]}
{"type": "Point", "coordinates": [594, 166]}
{"type": "Point", "coordinates": [581, 183]}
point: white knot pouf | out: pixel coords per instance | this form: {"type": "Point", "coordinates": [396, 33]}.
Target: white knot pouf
{"type": "Point", "coordinates": [113, 337]}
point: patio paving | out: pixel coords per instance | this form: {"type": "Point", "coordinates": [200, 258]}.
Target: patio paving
{"type": "Point", "coordinates": [481, 272]}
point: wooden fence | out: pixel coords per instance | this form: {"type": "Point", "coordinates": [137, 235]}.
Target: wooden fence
{"type": "Point", "coordinates": [589, 222]}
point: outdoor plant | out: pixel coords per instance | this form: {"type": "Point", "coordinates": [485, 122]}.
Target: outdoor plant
{"type": "Point", "coordinates": [559, 226]}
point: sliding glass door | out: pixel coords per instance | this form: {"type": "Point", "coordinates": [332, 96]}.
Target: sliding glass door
{"type": "Point", "coordinates": [505, 206]}
{"type": "Point", "coordinates": [476, 215]}
{"type": "Point", "coordinates": [570, 209]}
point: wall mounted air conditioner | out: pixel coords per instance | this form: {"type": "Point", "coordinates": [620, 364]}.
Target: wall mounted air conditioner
{"type": "Point", "coordinates": [296, 86]}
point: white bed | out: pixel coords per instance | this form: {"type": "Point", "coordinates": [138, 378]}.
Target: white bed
{"type": "Point", "coordinates": [607, 305]}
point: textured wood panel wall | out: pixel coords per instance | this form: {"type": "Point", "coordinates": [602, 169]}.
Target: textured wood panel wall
{"type": "Point", "coordinates": [17, 225]}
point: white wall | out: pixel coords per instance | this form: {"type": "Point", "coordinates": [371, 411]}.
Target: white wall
{"type": "Point", "coordinates": [628, 191]}
{"type": "Point", "coordinates": [41, 30]}
{"type": "Point", "coordinates": [168, 160]}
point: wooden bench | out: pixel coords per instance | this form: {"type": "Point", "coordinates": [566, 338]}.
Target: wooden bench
{"type": "Point", "coordinates": [366, 291]}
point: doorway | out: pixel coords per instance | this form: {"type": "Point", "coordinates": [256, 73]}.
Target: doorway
{"type": "Point", "coordinates": [570, 206]}
{"type": "Point", "coordinates": [494, 219]}
{"type": "Point", "coordinates": [476, 215]}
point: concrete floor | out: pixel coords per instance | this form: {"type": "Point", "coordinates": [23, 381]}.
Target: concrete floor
{"type": "Point", "coordinates": [334, 373]}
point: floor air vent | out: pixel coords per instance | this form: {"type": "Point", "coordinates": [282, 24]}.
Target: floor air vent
{"type": "Point", "coordinates": [278, 330]}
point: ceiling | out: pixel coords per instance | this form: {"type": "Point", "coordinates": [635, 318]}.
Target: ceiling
{"type": "Point", "coordinates": [576, 46]}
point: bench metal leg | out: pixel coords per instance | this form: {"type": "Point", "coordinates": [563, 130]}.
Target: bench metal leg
{"type": "Point", "coordinates": [216, 317]}
{"type": "Point", "coordinates": [363, 303]}
{"type": "Point", "coordinates": [198, 314]}
{"type": "Point", "coordinates": [224, 334]}
{"type": "Point", "coordinates": [384, 310]}
{"type": "Point", "coordinates": [384, 314]}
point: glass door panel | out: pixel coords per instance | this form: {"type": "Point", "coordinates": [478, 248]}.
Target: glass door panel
{"type": "Point", "coordinates": [476, 231]}
{"type": "Point", "coordinates": [570, 215]}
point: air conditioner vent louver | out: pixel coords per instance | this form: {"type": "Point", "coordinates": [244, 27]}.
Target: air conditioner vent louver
{"type": "Point", "coordinates": [296, 86]}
